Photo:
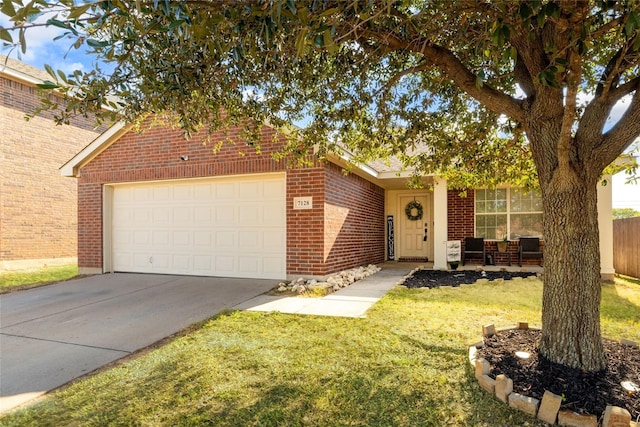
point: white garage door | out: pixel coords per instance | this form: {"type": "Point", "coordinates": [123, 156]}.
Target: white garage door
{"type": "Point", "coordinates": [231, 227]}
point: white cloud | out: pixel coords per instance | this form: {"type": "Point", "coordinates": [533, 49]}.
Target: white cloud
{"type": "Point", "coordinates": [42, 49]}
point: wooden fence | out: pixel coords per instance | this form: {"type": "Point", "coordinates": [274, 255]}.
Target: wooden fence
{"type": "Point", "coordinates": [626, 246]}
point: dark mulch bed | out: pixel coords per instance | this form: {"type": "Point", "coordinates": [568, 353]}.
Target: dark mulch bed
{"type": "Point", "coordinates": [437, 278]}
{"type": "Point", "coordinates": [586, 393]}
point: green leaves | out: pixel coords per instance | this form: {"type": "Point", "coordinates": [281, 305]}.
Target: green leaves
{"type": "Point", "coordinates": [632, 25]}
{"type": "Point", "coordinates": [499, 33]}
{"type": "Point", "coordinates": [47, 85]}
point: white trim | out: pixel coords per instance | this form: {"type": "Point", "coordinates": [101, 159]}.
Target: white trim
{"type": "Point", "coordinates": [98, 145]}
{"type": "Point", "coordinates": [107, 227]}
{"type": "Point", "coordinates": [605, 226]}
{"type": "Point", "coordinates": [19, 75]}
{"type": "Point", "coordinates": [348, 158]}
{"type": "Point", "coordinates": [440, 224]}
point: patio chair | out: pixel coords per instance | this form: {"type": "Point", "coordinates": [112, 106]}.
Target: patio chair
{"type": "Point", "coordinates": [529, 247]}
{"type": "Point", "coordinates": [473, 248]}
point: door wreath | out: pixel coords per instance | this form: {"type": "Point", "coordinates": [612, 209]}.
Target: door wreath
{"type": "Point", "coordinates": [414, 210]}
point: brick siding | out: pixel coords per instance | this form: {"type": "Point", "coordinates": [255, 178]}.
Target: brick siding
{"type": "Point", "coordinates": [460, 215]}
{"type": "Point", "coordinates": [155, 155]}
{"type": "Point", "coordinates": [354, 220]}
{"type": "Point", "coordinates": [37, 205]}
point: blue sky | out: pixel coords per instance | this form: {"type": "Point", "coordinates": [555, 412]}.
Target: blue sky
{"type": "Point", "coordinates": [42, 50]}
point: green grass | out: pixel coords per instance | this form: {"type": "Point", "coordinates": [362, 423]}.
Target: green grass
{"type": "Point", "coordinates": [12, 280]}
{"type": "Point", "coordinates": [404, 365]}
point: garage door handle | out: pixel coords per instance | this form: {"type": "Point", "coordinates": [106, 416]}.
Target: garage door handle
{"type": "Point", "coordinates": [150, 260]}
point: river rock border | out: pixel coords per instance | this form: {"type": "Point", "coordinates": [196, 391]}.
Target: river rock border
{"type": "Point", "coordinates": [547, 409]}
{"type": "Point", "coordinates": [333, 283]}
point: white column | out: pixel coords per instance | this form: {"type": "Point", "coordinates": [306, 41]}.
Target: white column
{"type": "Point", "coordinates": [605, 225]}
{"type": "Point", "coordinates": [440, 224]}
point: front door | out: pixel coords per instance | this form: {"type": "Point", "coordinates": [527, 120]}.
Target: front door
{"type": "Point", "coordinates": [415, 236]}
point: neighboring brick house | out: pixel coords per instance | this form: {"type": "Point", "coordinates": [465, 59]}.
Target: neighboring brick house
{"type": "Point", "coordinates": [154, 202]}
{"type": "Point", "coordinates": [37, 205]}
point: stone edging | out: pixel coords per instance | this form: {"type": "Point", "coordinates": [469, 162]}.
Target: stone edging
{"type": "Point", "coordinates": [547, 410]}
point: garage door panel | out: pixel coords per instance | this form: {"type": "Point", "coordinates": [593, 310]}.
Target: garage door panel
{"type": "Point", "coordinates": [225, 239]}
{"type": "Point", "coordinates": [181, 263]}
{"type": "Point", "coordinates": [141, 194]}
{"type": "Point", "coordinates": [274, 265]}
{"type": "Point", "coordinates": [142, 263]}
{"type": "Point", "coordinates": [162, 215]}
{"type": "Point", "coordinates": [161, 238]}
{"type": "Point", "coordinates": [220, 227]}
{"type": "Point", "coordinates": [249, 265]}
{"type": "Point", "coordinates": [141, 238]}
{"type": "Point", "coordinates": [225, 264]}
{"type": "Point", "coordinates": [142, 216]}
{"type": "Point", "coordinates": [225, 191]}
{"type": "Point", "coordinates": [160, 193]}
{"type": "Point", "coordinates": [182, 238]}
{"type": "Point", "coordinates": [249, 190]}
{"type": "Point", "coordinates": [273, 239]}
{"type": "Point", "coordinates": [202, 263]}
{"type": "Point", "coordinates": [250, 215]}
{"type": "Point", "coordinates": [181, 215]}
{"type": "Point", "coordinates": [203, 240]}
{"type": "Point", "coordinates": [274, 189]}
{"type": "Point", "coordinates": [203, 216]}
{"type": "Point", "coordinates": [272, 216]}
{"type": "Point", "coordinates": [249, 239]}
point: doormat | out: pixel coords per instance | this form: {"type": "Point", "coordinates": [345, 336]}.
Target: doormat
{"type": "Point", "coordinates": [414, 259]}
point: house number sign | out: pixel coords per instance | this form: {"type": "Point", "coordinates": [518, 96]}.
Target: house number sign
{"type": "Point", "coordinates": [302, 203]}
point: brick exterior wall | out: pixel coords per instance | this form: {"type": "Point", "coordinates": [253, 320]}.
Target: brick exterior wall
{"type": "Point", "coordinates": [155, 155]}
{"type": "Point", "coordinates": [305, 228]}
{"type": "Point", "coordinates": [354, 220]}
{"type": "Point", "coordinates": [460, 215]}
{"type": "Point", "coordinates": [37, 204]}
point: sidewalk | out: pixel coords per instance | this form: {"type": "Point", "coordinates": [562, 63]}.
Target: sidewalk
{"type": "Point", "coordinates": [356, 299]}
{"type": "Point", "coordinates": [352, 301]}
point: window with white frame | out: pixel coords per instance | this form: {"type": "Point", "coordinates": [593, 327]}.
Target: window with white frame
{"type": "Point", "coordinates": [508, 213]}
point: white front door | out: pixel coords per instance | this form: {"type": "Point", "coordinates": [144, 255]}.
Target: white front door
{"type": "Point", "coordinates": [415, 234]}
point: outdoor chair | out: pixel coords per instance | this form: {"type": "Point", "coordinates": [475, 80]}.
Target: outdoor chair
{"type": "Point", "coordinates": [473, 248]}
{"type": "Point", "coordinates": [529, 247]}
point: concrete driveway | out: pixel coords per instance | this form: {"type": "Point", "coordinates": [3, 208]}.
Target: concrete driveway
{"type": "Point", "coordinates": [53, 334]}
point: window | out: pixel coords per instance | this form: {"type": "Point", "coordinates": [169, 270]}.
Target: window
{"type": "Point", "coordinates": [508, 212]}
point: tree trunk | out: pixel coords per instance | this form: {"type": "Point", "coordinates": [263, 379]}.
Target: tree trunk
{"type": "Point", "coordinates": [571, 296]}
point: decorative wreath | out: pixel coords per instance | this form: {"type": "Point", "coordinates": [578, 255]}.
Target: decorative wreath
{"type": "Point", "coordinates": [410, 209]}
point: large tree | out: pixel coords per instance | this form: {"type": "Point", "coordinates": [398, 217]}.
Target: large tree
{"type": "Point", "coordinates": [491, 87]}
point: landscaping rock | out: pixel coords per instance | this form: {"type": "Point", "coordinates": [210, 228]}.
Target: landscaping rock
{"type": "Point", "coordinates": [482, 368]}
{"type": "Point", "coordinates": [487, 383]}
{"type": "Point", "coordinates": [615, 416]}
{"type": "Point", "coordinates": [504, 387]}
{"type": "Point", "coordinates": [488, 330]}
{"type": "Point", "coordinates": [522, 403]}
{"type": "Point", "coordinates": [333, 283]}
{"type": "Point", "coordinates": [571, 419]}
{"type": "Point", "coordinates": [549, 407]}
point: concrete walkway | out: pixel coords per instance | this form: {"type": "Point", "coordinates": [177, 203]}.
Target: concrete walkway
{"type": "Point", "coordinates": [352, 301]}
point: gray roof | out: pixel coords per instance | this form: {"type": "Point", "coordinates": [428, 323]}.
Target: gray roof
{"type": "Point", "coordinates": [15, 65]}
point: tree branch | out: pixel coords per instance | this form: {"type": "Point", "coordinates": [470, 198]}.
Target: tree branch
{"type": "Point", "coordinates": [623, 90]}
{"type": "Point", "coordinates": [620, 136]}
{"type": "Point", "coordinates": [450, 65]}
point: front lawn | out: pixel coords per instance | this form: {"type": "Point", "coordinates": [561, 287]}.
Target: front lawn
{"type": "Point", "coordinates": [404, 365]}
{"type": "Point", "coordinates": [12, 280]}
